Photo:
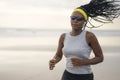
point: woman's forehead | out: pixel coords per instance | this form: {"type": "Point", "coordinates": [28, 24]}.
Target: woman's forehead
{"type": "Point", "coordinates": [77, 14]}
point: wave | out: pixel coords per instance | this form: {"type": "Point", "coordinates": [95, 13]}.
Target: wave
{"type": "Point", "coordinates": [19, 32]}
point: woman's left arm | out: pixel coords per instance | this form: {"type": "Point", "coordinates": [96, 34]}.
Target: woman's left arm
{"type": "Point", "coordinates": [94, 44]}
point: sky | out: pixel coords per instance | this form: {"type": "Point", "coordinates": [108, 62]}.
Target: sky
{"type": "Point", "coordinates": [41, 14]}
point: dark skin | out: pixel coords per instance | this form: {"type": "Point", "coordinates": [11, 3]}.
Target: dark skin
{"type": "Point", "coordinates": [91, 40]}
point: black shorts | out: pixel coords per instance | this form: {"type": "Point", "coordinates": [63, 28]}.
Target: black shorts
{"type": "Point", "coordinates": [70, 76]}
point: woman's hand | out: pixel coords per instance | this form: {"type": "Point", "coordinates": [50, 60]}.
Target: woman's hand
{"type": "Point", "coordinates": [76, 62]}
{"type": "Point", "coordinates": [52, 63]}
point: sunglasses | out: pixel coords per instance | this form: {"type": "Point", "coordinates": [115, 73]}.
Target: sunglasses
{"type": "Point", "coordinates": [78, 18]}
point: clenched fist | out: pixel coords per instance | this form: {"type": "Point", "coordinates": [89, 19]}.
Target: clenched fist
{"type": "Point", "coordinates": [52, 63]}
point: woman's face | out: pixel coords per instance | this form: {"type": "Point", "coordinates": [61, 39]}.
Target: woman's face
{"type": "Point", "coordinates": [77, 21]}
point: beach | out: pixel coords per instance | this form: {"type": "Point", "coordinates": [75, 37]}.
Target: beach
{"type": "Point", "coordinates": [29, 35]}
{"type": "Point", "coordinates": [25, 56]}
{"type": "Point", "coordinates": [28, 65]}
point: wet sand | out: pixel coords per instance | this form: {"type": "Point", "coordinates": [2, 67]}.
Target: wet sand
{"type": "Point", "coordinates": [33, 65]}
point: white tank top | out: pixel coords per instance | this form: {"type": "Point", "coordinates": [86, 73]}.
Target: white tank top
{"type": "Point", "coordinates": [76, 46]}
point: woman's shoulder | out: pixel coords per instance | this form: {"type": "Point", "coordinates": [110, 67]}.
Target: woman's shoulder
{"type": "Point", "coordinates": [90, 34]}
{"type": "Point", "coordinates": [62, 37]}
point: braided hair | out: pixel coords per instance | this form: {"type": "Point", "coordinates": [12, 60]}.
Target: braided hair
{"type": "Point", "coordinates": [103, 11]}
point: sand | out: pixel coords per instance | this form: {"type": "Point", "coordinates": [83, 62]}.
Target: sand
{"type": "Point", "coordinates": [33, 65]}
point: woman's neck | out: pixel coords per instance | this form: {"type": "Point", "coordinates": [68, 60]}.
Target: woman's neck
{"type": "Point", "coordinates": [76, 32]}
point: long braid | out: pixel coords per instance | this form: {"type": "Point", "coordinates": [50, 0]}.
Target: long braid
{"type": "Point", "coordinates": [103, 11]}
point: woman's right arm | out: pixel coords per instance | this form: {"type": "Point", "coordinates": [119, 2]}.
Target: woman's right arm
{"type": "Point", "coordinates": [59, 54]}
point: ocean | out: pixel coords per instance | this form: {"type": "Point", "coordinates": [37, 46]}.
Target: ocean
{"type": "Point", "coordinates": [25, 53]}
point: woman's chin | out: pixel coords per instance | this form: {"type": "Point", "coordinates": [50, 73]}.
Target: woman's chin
{"type": "Point", "coordinates": [76, 28]}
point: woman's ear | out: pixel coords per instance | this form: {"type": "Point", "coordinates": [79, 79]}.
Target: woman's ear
{"type": "Point", "coordinates": [84, 23]}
